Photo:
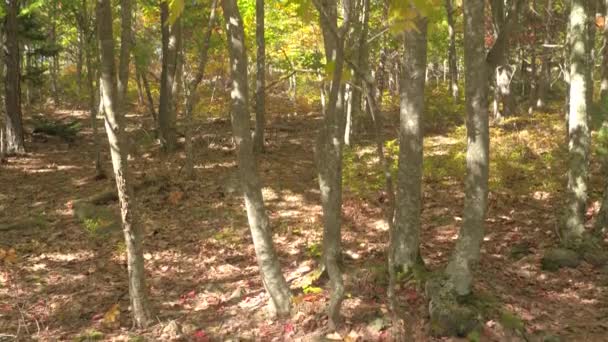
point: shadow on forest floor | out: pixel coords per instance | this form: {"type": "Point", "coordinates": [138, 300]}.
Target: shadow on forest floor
{"type": "Point", "coordinates": [64, 283]}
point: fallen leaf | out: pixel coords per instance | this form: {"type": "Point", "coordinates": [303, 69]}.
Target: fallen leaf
{"type": "Point", "coordinates": [111, 316]}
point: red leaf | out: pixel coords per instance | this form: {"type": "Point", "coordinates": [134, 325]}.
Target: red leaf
{"type": "Point", "coordinates": [200, 336]}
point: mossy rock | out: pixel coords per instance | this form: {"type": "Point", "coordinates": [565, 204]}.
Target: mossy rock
{"type": "Point", "coordinates": [449, 315]}
{"type": "Point", "coordinates": [97, 220]}
{"type": "Point", "coordinates": [556, 258]}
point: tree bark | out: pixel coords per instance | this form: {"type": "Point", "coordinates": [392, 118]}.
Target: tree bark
{"type": "Point", "coordinates": [452, 58]}
{"type": "Point", "coordinates": [14, 126]}
{"type": "Point", "coordinates": [126, 42]}
{"type": "Point", "coordinates": [260, 84]}
{"type": "Point", "coordinates": [268, 262]}
{"type": "Point", "coordinates": [466, 254]}
{"type": "Point", "coordinates": [114, 122]}
{"type": "Point", "coordinates": [191, 98]}
{"type": "Point", "coordinates": [604, 80]}
{"type": "Point", "coordinates": [329, 151]}
{"type": "Point", "coordinates": [166, 113]}
{"type": "Point", "coordinates": [55, 61]}
{"type": "Point", "coordinates": [409, 174]}
{"type": "Point", "coordinates": [578, 131]}
{"type": "Point", "coordinates": [93, 90]}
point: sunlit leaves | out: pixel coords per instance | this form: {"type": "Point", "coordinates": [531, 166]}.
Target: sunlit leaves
{"type": "Point", "coordinates": [403, 13]}
{"type": "Point", "coordinates": [176, 8]}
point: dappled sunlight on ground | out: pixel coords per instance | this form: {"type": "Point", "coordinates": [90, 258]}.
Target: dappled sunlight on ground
{"type": "Point", "coordinates": [200, 261]}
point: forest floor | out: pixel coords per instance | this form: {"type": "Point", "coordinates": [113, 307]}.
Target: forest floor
{"type": "Point", "coordinates": [63, 277]}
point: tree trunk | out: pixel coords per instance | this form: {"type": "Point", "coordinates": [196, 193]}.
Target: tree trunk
{"type": "Point", "coordinates": [592, 8]}
{"type": "Point", "coordinates": [260, 84]}
{"type": "Point", "coordinates": [466, 254]}
{"type": "Point", "coordinates": [573, 228]}
{"type": "Point", "coordinates": [54, 68]}
{"type": "Point", "coordinates": [268, 262]}
{"type": "Point", "coordinates": [114, 122]}
{"type": "Point", "coordinates": [14, 126]}
{"type": "Point", "coordinates": [359, 52]}
{"type": "Point", "coordinates": [166, 112]}
{"type": "Point", "coordinates": [79, 58]}
{"type": "Point", "coordinates": [409, 175]}
{"type": "Point", "coordinates": [140, 89]}
{"type": "Point", "coordinates": [329, 153]}
{"type": "Point", "coordinates": [604, 80]}
{"type": "Point", "coordinates": [125, 52]}
{"type": "Point", "coordinates": [150, 102]}
{"type": "Point", "coordinates": [452, 58]}
{"type": "Point", "coordinates": [545, 73]}
{"type": "Point", "coordinates": [191, 98]}
{"type": "Point", "coordinates": [93, 105]}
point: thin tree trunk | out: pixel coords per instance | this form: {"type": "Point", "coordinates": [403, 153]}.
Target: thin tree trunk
{"type": "Point", "coordinates": [140, 89]}
{"type": "Point", "coordinates": [604, 76]}
{"type": "Point", "coordinates": [409, 175]}
{"type": "Point", "coordinates": [260, 84]}
{"type": "Point", "coordinates": [466, 254]}
{"type": "Point", "coordinates": [268, 262]}
{"type": "Point", "coordinates": [329, 153]}
{"type": "Point", "coordinates": [191, 98]}
{"type": "Point", "coordinates": [604, 80]}
{"type": "Point", "coordinates": [126, 42]}
{"type": "Point", "coordinates": [79, 58]}
{"type": "Point", "coordinates": [573, 228]}
{"type": "Point", "coordinates": [14, 126]}
{"type": "Point", "coordinates": [166, 114]}
{"type": "Point", "coordinates": [53, 68]}
{"type": "Point", "coordinates": [114, 122]}
{"type": "Point", "coordinates": [93, 105]}
{"type": "Point", "coordinates": [150, 99]}
{"type": "Point", "coordinates": [545, 76]}
{"type": "Point", "coordinates": [452, 58]}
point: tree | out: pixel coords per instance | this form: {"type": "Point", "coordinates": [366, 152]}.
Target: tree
{"type": "Point", "coordinates": [268, 262]}
{"type": "Point", "coordinates": [452, 58]}
{"type": "Point", "coordinates": [468, 245]}
{"type": "Point", "coordinates": [115, 129]}
{"type": "Point", "coordinates": [260, 84]}
{"type": "Point", "coordinates": [409, 174]}
{"type": "Point", "coordinates": [14, 127]}
{"type": "Point", "coordinates": [191, 97]}
{"type": "Point", "coordinates": [89, 36]}
{"type": "Point", "coordinates": [604, 76]}
{"type": "Point", "coordinates": [573, 227]}
{"type": "Point", "coordinates": [170, 39]}
{"type": "Point", "coordinates": [329, 150]}
{"type": "Point", "coordinates": [126, 42]}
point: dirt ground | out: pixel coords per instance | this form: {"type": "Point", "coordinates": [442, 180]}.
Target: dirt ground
{"type": "Point", "coordinates": [59, 281]}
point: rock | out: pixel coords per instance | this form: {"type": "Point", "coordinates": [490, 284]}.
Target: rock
{"type": "Point", "coordinates": [557, 258]}
{"type": "Point", "coordinates": [448, 317]}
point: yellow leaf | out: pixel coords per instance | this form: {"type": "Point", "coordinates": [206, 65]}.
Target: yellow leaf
{"type": "Point", "coordinates": [176, 7]}
{"type": "Point", "coordinates": [112, 315]}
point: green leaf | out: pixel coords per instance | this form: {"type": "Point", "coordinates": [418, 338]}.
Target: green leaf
{"type": "Point", "coordinates": [176, 8]}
